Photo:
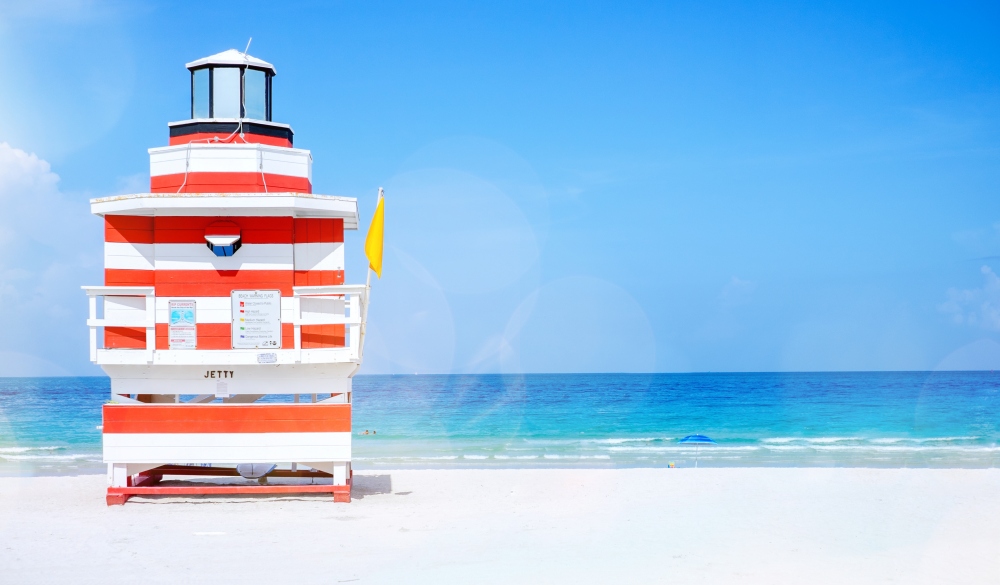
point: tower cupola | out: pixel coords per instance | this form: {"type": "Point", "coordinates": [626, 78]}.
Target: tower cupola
{"type": "Point", "coordinates": [231, 101]}
{"type": "Point", "coordinates": [231, 85]}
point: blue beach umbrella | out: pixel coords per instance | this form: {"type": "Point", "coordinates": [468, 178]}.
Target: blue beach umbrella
{"type": "Point", "coordinates": [698, 441]}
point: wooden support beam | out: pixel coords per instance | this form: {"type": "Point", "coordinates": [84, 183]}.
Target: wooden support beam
{"type": "Point", "coordinates": [194, 470]}
{"type": "Point", "coordinates": [204, 489]}
{"type": "Point", "coordinates": [120, 495]}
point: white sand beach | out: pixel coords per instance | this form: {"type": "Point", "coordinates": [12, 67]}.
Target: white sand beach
{"type": "Point", "coordinates": [523, 526]}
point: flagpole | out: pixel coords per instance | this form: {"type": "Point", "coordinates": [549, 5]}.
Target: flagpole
{"type": "Point", "coordinates": [364, 314]}
{"type": "Point", "coordinates": [368, 292]}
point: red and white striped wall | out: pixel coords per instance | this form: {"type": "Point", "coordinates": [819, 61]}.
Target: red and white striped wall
{"type": "Point", "coordinates": [229, 168]}
{"type": "Point", "coordinates": [170, 254]}
{"type": "Point", "coordinates": [227, 433]}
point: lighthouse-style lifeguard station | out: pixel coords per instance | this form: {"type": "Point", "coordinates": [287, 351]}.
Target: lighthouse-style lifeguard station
{"type": "Point", "coordinates": [228, 332]}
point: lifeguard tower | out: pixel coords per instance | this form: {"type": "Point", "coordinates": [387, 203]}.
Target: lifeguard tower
{"type": "Point", "coordinates": [224, 321]}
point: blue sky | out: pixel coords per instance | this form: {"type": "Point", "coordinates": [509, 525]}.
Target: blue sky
{"type": "Point", "coordinates": [570, 186]}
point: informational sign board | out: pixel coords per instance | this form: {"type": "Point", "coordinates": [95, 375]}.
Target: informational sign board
{"type": "Point", "coordinates": [182, 332]}
{"type": "Point", "coordinates": [256, 319]}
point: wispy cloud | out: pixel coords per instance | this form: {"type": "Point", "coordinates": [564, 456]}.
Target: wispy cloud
{"type": "Point", "coordinates": [978, 307]}
{"type": "Point", "coordinates": [49, 246]}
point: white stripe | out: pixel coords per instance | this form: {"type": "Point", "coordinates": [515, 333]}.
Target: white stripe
{"type": "Point", "coordinates": [249, 377]}
{"type": "Point", "coordinates": [226, 447]}
{"type": "Point", "coordinates": [319, 256]}
{"type": "Point", "coordinates": [128, 256]}
{"type": "Point", "coordinates": [199, 257]}
{"type": "Point", "coordinates": [230, 158]}
{"type": "Point", "coordinates": [214, 309]}
{"type": "Point", "coordinates": [196, 257]}
{"type": "Point", "coordinates": [317, 308]}
{"type": "Point", "coordinates": [124, 309]}
{"type": "Point", "coordinates": [312, 256]}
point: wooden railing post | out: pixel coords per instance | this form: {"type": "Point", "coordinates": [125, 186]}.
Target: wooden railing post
{"type": "Point", "coordinates": [148, 320]}
{"type": "Point", "coordinates": [297, 325]}
{"type": "Point", "coordinates": [150, 325]}
{"type": "Point", "coordinates": [92, 301]}
{"type": "Point", "coordinates": [355, 328]}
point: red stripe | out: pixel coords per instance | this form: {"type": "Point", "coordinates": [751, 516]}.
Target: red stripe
{"type": "Point", "coordinates": [216, 336]}
{"type": "Point", "coordinates": [318, 277]}
{"type": "Point", "coordinates": [135, 229]}
{"type": "Point", "coordinates": [228, 183]}
{"type": "Point", "coordinates": [253, 230]}
{"type": "Point", "coordinates": [122, 277]}
{"type": "Point", "coordinates": [247, 137]}
{"type": "Point", "coordinates": [219, 336]}
{"type": "Point", "coordinates": [202, 283]}
{"type": "Point", "coordinates": [318, 336]}
{"type": "Point", "coordinates": [191, 229]}
{"type": "Point", "coordinates": [222, 228]}
{"type": "Point", "coordinates": [220, 283]}
{"type": "Point", "coordinates": [227, 418]}
{"type": "Point", "coordinates": [124, 338]}
{"type": "Point", "coordinates": [318, 230]}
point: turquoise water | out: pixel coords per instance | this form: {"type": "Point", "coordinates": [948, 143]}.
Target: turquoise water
{"type": "Point", "coordinates": [908, 419]}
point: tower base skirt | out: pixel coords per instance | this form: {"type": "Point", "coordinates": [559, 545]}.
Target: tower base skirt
{"type": "Point", "coordinates": [147, 484]}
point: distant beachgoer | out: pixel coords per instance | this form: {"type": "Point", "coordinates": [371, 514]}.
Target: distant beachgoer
{"type": "Point", "coordinates": [366, 432]}
{"type": "Point", "coordinates": [373, 432]}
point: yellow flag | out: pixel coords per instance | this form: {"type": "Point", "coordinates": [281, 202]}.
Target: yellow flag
{"type": "Point", "coordinates": [373, 243]}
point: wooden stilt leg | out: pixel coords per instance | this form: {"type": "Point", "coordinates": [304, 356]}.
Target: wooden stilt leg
{"type": "Point", "coordinates": [118, 477]}
{"type": "Point", "coordinates": [341, 477]}
{"type": "Point", "coordinates": [117, 499]}
{"type": "Point", "coordinates": [340, 474]}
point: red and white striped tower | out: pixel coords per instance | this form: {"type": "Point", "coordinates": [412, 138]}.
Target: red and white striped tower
{"type": "Point", "coordinates": [224, 284]}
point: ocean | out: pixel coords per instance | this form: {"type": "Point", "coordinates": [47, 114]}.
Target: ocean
{"type": "Point", "coordinates": [49, 426]}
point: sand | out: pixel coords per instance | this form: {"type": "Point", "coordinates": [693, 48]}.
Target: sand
{"type": "Point", "coordinates": [523, 526]}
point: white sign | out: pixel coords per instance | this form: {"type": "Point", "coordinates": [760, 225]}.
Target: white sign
{"type": "Point", "coordinates": [182, 333]}
{"type": "Point", "coordinates": [267, 358]}
{"type": "Point", "coordinates": [256, 319]}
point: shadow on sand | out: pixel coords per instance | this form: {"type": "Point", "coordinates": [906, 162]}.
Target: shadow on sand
{"type": "Point", "coordinates": [370, 485]}
{"type": "Point", "coordinates": [363, 486]}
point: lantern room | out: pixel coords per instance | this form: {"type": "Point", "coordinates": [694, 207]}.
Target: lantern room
{"type": "Point", "coordinates": [231, 85]}
{"type": "Point", "coordinates": [231, 95]}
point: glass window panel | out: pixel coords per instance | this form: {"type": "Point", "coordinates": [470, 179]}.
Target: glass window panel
{"type": "Point", "coordinates": [199, 97]}
{"type": "Point", "coordinates": [254, 94]}
{"type": "Point", "coordinates": [226, 92]}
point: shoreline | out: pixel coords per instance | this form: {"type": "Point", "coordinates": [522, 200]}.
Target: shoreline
{"type": "Point", "coordinates": [7, 471]}
{"type": "Point", "coordinates": [5, 474]}
{"type": "Point", "coordinates": [747, 525]}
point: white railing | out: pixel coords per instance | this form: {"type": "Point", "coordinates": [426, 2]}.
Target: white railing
{"type": "Point", "coordinates": [341, 304]}
{"type": "Point", "coordinates": [124, 306]}
{"type": "Point", "coordinates": [135, 307]}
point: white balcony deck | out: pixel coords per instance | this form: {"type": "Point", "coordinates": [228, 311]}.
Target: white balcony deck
{"type": "Point", "coordinates": [135, 307]}
{"type": "Point", "coordinates": [220, 204]}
